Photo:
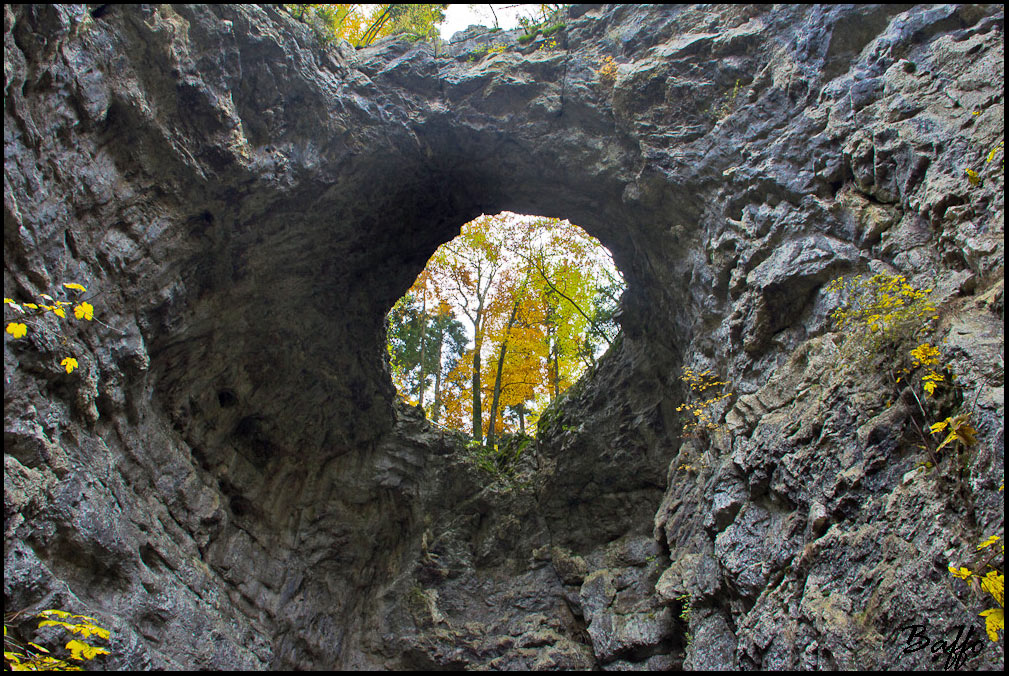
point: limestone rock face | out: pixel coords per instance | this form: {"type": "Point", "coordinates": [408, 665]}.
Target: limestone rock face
{"type": "Point", "coordinates": [226, 481]}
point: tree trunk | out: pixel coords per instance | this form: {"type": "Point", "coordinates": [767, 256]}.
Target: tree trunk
{"type": "Point", "coordinates": [497, 392]}
{"type": "Point", "coordinates": [553, 366]}
{"type": "Point", "coordinates": [437, 380]}
{"type": "Point", "coordinates": [478, 330]}
{"type": "Point", "coordinates": [372, 32]}
{"type": "Point", "coordinates": [477, 413]}
{"type": "Point", "coordinates": [423, 345]}
{"type": "Point", "coordinates": [500, 371]}
{"type": "Point", "coordinates": [557, 371]}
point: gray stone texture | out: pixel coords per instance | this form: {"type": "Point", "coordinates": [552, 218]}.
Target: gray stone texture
{"type": "Point", "coordinates": [227, 482]}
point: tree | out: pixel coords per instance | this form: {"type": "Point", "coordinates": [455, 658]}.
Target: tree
{"type": "Point", "coordinates": [418, 22]}
{"type": "Point", "coordinates": [449, 337]}
{"type": "Point", "coordinates": [361, 25]}
{"type": "Point", "coordinates": [423, 344]}
{"type": "Point", "coordinates": [579, 291]}
{"type": "Point", "coordinates": [465, 272]}
{"type": "Point", "coordinates": [537, 297]}
{"type": "Point", "coordinates": [514, 294]}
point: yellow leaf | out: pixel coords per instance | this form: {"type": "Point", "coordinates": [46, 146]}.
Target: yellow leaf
{"type": "Point", "coordinates": [53, 623]}
{"type": "Point", "coordinates": [87, 630]}
{"type": "Point", "coordinates": [972, 176]}
{"type": "Point", "coordinates": [994, 584]}
{"type": "Point", "coordinates": [962, 573]}
{"type": "Point", "coordinates": [947, 440]}
{"type": "Point", "coordinates": [80, 650]}
{"type": "Point", "coordinates": [90, 619]}
{"type": "Point", "coordinates": [84, 311]}
{"type": "Point", "coordinates": [960, 430]}
{"type": "Point", "coordinates": [57, 613]}
{"type": "Point", "coordinates": [938, 427]}
{"type": "Point", "coordinates": [926, 354]}
{"type": "Point", "coordinates": [69, 363]}
{"type": "Point", "coordinates": [992, 539]}
{"type": "Point", "coordinates": [75, 286]}
{"type": "Point", "coordinates": [994, 622]}
{"type": "Point", "coordinates": [17, 330]}
{"type": "Point", "coordinates": [76, 649]}
{"type": "Point", "coordinates": [991, 155]}
{"type": "Point", "coordinates": [966, 435]}
{"type": "Point", "coordinates": [60, 312]}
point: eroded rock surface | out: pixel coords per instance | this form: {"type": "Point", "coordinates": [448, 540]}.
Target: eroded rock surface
{"type": "Point", "coordinates": [226, 480]}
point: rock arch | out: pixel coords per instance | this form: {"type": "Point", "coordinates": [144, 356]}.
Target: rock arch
{"type": "Point", "coordinates": [248, 204]}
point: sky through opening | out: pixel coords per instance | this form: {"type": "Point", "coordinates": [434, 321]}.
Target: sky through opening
{"type": "Point", "coordinates": [503, 319]}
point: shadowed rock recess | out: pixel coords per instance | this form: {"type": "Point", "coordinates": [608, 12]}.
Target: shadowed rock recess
{"type": "Point", "coordinates": [227, 480]}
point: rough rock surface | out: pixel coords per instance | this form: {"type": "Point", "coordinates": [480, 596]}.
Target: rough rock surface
{"type": "Point", "coordinates": [226, 481]}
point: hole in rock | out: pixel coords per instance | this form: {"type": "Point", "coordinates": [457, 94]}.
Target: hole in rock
{"type": "Point", "coordinates": [502, 320]}
{"type": "Point", "coordinates": [151, 558]}
{"type": "Point", "coordinates": [240, 506]}
{"type": "Point", "coordinates": [227, 398]}
{"type": "Point", "coordinates": [247, 427]}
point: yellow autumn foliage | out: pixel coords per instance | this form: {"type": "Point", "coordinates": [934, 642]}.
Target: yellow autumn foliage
{"type": "Point", "coordinates": [84, 311]}
{"type": "Point", "coordinates": [993, 583]}
{"type": "Point", "coordinates": [34, 657]}
{"type": "Point", "coordinates": [705, 392]}
{"type": "Point", "coordinates": [19, 329]}
{"type": "Point", "coordinates": [882, 316]}
{"type": "Point", "coordinates": [960, 431]}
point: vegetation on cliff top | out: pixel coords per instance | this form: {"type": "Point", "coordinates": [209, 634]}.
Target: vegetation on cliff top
{"type": "Point", "coordinates": [361, 25]}
{"type": "Point", "coordinates": [504, 318]}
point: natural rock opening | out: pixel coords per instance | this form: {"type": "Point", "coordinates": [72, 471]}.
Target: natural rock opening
{"type": "Point", "coordinates": [226, 477]}
{"type": "Point", "coordinates": [503, 319]}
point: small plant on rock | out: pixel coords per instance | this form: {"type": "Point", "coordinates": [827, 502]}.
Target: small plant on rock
{"type": "Point", "coordinates": [974, 177]}
{"type": "Point", "coordinates": [32, 315]}
{"type": "Point", "coordinates": [984, 577]}
{"type": "Point", "coordinates": [882, 316]}
{"type": "Point", "coordinates": [34, 657]}
{"type": "Point", "coordinates": [724, 106]}
{"type": "Point", "coordinates": [499, 461]}
{"type": "Point", "coordinates": [705, 392]}
{"type": "Point", "coordinates": [549, 22]}
{"type": "Point", "coordinates": [608, 71]}
{"type": "Point", "coordinates": [686, 607]}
